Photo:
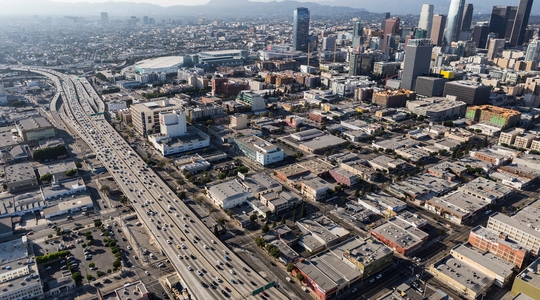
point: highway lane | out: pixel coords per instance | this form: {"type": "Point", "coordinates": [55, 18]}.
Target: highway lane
{"type": "Point", "coordinates": [108, 144]}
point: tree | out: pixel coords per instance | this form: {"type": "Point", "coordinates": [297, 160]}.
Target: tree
{"type": "Point", "coordinates": [300, 277]}
{"type": "Point", "coordinates": [50, 152]}
{"type": "Point", "coordinates": [97, 223]}
{"type": "Point", "coordinates": [294, 216]}
{"type": "Point", "coordinates": [290, 267]}
{"type": "Point", "coordinates": [253, 218]}
{"type": "Point", "coordinates": [105, 189]}
{"type": "Point", "coordinates": [78, 164]}
{"type": "Point", "coordinates": [260, 241]}
{"type": "Point", "coordinates": [117, 264]}
{"type": "Point", "coordinates": [89, 277]}
{"type": "Point", "coordinates": [91, 265]}
{"type": "Point", "coordinates": [230, 213]}
{"type": "Point", "coordinates": [283, 220]}
{"type": "Point", "coordinates": [77, 277]}
{"type": "Point", "coordinates": [182, 195]}
{"type": "Point", "coordinates": [265, 228]}
{"type": "Point", "coordinates": [303, 210]}
{"type": "Point", "coordinates": [46, 178]}
{"type": "Point", "coordinates": [222, 176]}
{"type": "Point", "coordinates": [71, 172]}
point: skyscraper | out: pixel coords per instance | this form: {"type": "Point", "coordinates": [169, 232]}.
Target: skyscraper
{"type": "Point", "coordinates": [385, 16]}
{"type": "Point", "coordinates": [453, 22]}
{"type": "Point", "coordinates": [467, 17]}
{"type": "Point", "coordinates": [501, 17]}
{"type": "Point", "coordinates": [358, 34]}
{"type": "Point", "coordinates": [391, 27]}
{"type": "Point", "coordinates": [521, 22]}
{"type": "Point", "coordinates": [437, 29]}
{"type": "Point", "coordinates": [301, 29]}
{"type": "Point", "coordinates": [104, 18]}
{"type": "Point", "coordinates": [417, 62]}
{"type": "Point", "coordinates": [480, 33]}
{"type": "Point", "coordinates": [426, 18]}
{"type": "Point", "coordinates": [495, 48]}
{"type": "Point", "coordinates": [533, 51]}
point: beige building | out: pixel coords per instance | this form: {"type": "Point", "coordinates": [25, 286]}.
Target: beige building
{"type": "Point", "coordinates": [238, 121]}
{"type": "Point", "coordinates": [145, 116]}
{"type": "Point", "coordinates": [20, 177]}
{"type": "Point", "coordinates": [35, 128]}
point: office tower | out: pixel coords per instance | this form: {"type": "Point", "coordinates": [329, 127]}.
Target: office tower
{"type": "Point", "coordinates": [391, 27]}
{"type": "Point", "coordinates": [521, 22]}
{"type": "Point", "coordinates": [385, 16]}
{"type": "Point", "coordinates": [301, 29]}
{"type": "Point", "coordinates": [3, 96]}
{"type": "Point", "coordinates": [467, 17]}
{"type": "Point", "coordinates": [480, 33]}
{"type": "Point", "coordinates": [361, 64]}
{"type": "Point", "coordinates": [453, 22]}
{"type": "Point", "coordinates": [358, 34]}
{"type": "Point", "coordinates": [495, 48]}
{"type": "Point", "coordinates": [426, 18]}
{"type": "Point", "coordinates": [533, 51]}
{"type": "Point", "coordinates": [104, 18]}
{"type": "Point", "coordinates": [417, 62]}
{"type": "Point", "coordinates": [145, 20]}
{"type": "Point", "coordinates": [329, 43]}
{"type": "Point", "coordinates": [437, 29]}
{"type": "Point", "coordinates": [501, 16]}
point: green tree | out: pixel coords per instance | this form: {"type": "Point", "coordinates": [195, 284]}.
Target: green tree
{"type": "Point", "coordinates": [265, 228]}
{"type": "Point", "coordinates": [89, 277]}
{"type": "Point", "coordinates": [46, 177]}
{"type": "Point", "coordinates": [216, 231]}
{"type": "Point", "coordinates": [300, 277]}
{"type": "Point", "coordinates": [222, 176]}
{"type": "Point", "coordinates": [230, 213]}
{"type": "Point", "coordinates": [71, 172]}
{"type": "Point", "coordinates": [91, 265]}
{"type": "Point", "coordinates": [303, 210]}
{"type": "Point", "coordinates": [283, 220]}
{"type": "Point", "coordinates": [253, 217]}
{"type": "Point", "coordinates": [117, 264]}
{"type": "Point", "coordinates": [182, 195]}
{"type": "Point", "coordinates": [97, 223]}
{"type": "Point", "coordinates": [78, 165]}
{"type": "Point", "coordinates": [290, 267]}
{"type": "Point", "coordinates": [77, 277]}
{"type": "Point", "coordinates": [260, 241]}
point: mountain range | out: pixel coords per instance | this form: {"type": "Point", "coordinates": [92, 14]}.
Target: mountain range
{"type": "Point", "coordinates": [238, 8]}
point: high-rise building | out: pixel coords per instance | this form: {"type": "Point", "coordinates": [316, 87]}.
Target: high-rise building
{"type": "Point", "coordinates": [417, 62]}
{"type": "Point", "coordinates": [480, 33]}
{"type": "Point", "coordinates": [3, 96]}
{"type": "Point", "coordinates": [453, 22]}
{"type": "Point", "coordinates": [533, 52]}
{"type": "Point", "coordinates": [502, 20]}
{"type": "Point", "coordinates": [360, 64]}
{"type": "Point", "coordinates": [385, 16]}
{"type": "Point", "coordinates": [426, 18]}
{"type": "Point", "coordinates": [391, 27]}
{"type": "Point", "coordinates": [521, 22]}
{"type": "Point", "coordinates": [495, 48]}
{"type": "Point", "coordinates": [467, 17]}
{"type": "Point", "coordinates": [145, 20]}
{"type": "Point", "coordinates": [301, 29]}
{"type": "Point", "coordinates": [437, 29]}
{"type": "Point", "coordinates": [358, 35]}
{"type": "Point", "coordinates": [104, 18]}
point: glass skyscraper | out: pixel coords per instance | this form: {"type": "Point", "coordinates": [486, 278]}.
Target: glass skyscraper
{"type": "Point", "coordinates": [453, 21]}
{"type": "Point", "coordinates": [301, 29]}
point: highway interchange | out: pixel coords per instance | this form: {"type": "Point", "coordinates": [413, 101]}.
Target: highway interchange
{"type": "Point", "coordinates": [207, 267]}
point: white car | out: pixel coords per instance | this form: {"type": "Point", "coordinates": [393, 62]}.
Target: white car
{"type": "Point", "coordinates": [199, 273]}
{"type": "Point", "coordinates": [169, 242]}
{"type": "Point", "coordinates": [190, 268]}
{"type": "Point", "coordinates": [379, 276]}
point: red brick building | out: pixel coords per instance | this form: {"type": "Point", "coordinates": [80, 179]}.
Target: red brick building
{"type": "Point", "coordinates": [498, 244]}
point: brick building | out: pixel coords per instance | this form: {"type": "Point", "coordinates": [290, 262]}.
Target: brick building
{"type": "Point", "coordinates": [493, 115]}
{"type": "Point", "coordinates": [498, 244]}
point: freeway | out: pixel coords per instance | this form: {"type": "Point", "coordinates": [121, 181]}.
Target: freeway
{"type": "Point", "coordinates": [205, 264]}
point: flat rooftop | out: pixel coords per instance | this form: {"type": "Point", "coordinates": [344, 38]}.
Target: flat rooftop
{"type": "Point", "coordinates": [492, 236]}
{"type": "Point", "coordinates": [486, 188]}
{"type": "Point", "coordinates": [459, 203]}
{"type": "Point", "coordinates": [20, 172]}
{"type": "Point", "coordinates": [316, 166]}
{"type": "Point", "coordinates": [531, 275]}
{"type": "Point", "coordinates": [34, 123]}
{"type": "Point", "coordinates": [401, 233]}
{"type": "Point", "coordinates": [364, 251]}
{"type": "Point", "coordinates": [132, 291]}
{"type": "Point", "coordinates": [160, 62]}
{"type": "Point", "coordinates": [228, 190]}
{"type": "Point", "coordinates": [467, 276]}
{"type": "Point", "coordinates": [323, 142]}
{"type": "Point", "coordinates": [58, 167]}
{"type": "Point", "coordinates": [487, 260]}
{"type": "Point", "coordinates": [13, 250]}
{"type": "Point", "coordinates": [74, 203]}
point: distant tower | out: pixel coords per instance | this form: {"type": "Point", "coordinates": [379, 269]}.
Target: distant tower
{"type": "Point", "coordinates": [417, 62]}
{"type": "Point", "coordinates": [521, 22]}
{"type": "Point", "coordinates": [426, 18]}
{"type": "Point", "coordinates": [3, 96]}
{"type": "Point", "coordinates": [480, 33]}
{"type": "Point", "coordinates": [391, 28]}
{"type": "Point", "coordinates": [357, 35]}
{"type": "Point", "coordinates": [453, 22]}
{"type": "Point", "coordinates": [495, 48]}
{"type": "Point", "coordinates": [533, 51]}
{"type": "Point", "coordinates": [301, 29]}
{"type": "Point", "coordinates": [385, 16]}
{"type": "Point", "coordinates": [502, 20]}
{"type": "Point", "coordinates": [467, 17]}
{"type": "Point", "coordinates": [104, 18]}
{"type": "Point", "coordinates": [437, 29]}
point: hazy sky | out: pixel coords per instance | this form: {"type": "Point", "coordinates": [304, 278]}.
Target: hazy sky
{"type": "Point", "coordinates": [167, 2]}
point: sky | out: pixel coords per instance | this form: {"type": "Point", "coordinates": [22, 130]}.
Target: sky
{"type": "Point", "coordinates": [166, 2]}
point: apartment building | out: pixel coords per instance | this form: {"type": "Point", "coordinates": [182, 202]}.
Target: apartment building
{"type": "Point", "coordinates": [145, 116]}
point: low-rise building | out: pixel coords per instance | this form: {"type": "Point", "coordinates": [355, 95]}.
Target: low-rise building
{"type": "Point", "coordinates": [438, 108]}
{"type": "Point", "coordinates": [499, 244]}
{"type": "Point", "coordinates": [488, 263]}
{"type": "Point", "coordinates": [495, 156]}
{"type": "Point", "coordinates": [261, 183]}
{"type": "Point", "coordinates": [315, 189]}
{"type": "Point", "coordinates": [447, 170]}
{"type": "Point", "coordinates": [58, 170]}
{"type": "Point", "coordinates": [359, 168]}
{"type": "Point", "coordinates": [389, 203]}
{"type": "Point", "coordinates": [421, 187]}
{"type": "Point", "coordinates": [132, 291]}
{"type": "Point", "coordinates": [20, 177]}
{"type": "Point", "coordinates": [307, 134]}
{"type": "Point", "coordinates": [323, 231]}
{"type": "Point", "coordinates": [385, 163]}
{"type": "Point", "coordinates": [322, 144]}
{"type": "Point", "coordinates": [228, 194]}
{"type": "Point", "coordinates": [279, 202]}
{"type": "Point", "coordinates": [456, 207]}
{"type": "Point", "coordinates": [493, 115]}
{"type": "Point", "coordinates": [466, 280]}
{"type": "Point", "coordinates": [368, 256]}
{"type": "Point", "coordinates": [516, 176]}
{"type": "Point", "coordinates": [486, 190]}
{"type": "Point", "coordinates": [259, 150]}
{"type": "Point", "coordinates": [67, 206]}
{"type": "Point", "coordinates": [412, 219]}
{"type": "Point", "coordinates": [344, 176]}
{"type": "Point", "coordinates": [527, 283]}
{"type": "Point", "coordinates": [35, 128]}
{"type": "Point", "coordinates": [400, 236]}
{"type": "Point", "coordinates": [521, 227]}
